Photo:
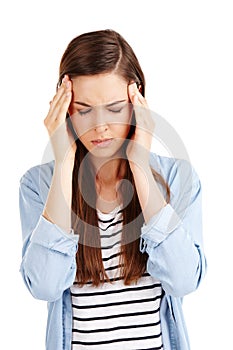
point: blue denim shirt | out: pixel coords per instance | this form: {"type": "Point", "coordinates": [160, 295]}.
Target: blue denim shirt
{"type": "Point", "coordinates": [172, 238]}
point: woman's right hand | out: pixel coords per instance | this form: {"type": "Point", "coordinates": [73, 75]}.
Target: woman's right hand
{"type": "Point", "coordinates": [62, 140]}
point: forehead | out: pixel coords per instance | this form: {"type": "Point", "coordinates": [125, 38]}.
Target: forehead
{"type": "Point", "coordinates": [99, 89]}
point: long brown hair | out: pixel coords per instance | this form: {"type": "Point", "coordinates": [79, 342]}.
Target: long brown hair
{"type": "Point", "coordinates": [104, 51]}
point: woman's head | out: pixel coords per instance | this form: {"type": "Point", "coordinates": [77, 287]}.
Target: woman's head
{"type": "Point", "coordinates": [98, 52]}
{"type": "Point", "coordinates": [101, 65]}
{"type": "Point", "coordinates": [100, 113]}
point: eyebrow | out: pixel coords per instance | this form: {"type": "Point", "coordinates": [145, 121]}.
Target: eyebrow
{"type": "Point", "coordinates": [107, 105]}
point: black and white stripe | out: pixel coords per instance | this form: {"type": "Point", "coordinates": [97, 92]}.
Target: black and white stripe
{"type": "Point", "coordinates": [116, 316]}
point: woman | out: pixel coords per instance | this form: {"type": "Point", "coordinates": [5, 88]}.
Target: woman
{"type": "Point", "coordinates": [112, 232]}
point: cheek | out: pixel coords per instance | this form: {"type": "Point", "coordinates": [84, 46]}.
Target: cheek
{"type": "Point", "coordinates": [125, 120]}
{"type": "Point", "coordinates": [128, 122]}
{"type": "Point", "coordinates": [71, 109]}
{"type": "Point", "coordinates": [120, 131]}
{"type": "Point", "coordinates": [80, 127]}
{"type": "Point", "coordinates": [85, 140]}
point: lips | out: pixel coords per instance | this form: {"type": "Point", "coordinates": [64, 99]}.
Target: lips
{"type": "Point", "coordinates": [102, 142]}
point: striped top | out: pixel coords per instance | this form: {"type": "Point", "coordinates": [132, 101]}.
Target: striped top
{"type": "Point", "coordinates": [113, 315]}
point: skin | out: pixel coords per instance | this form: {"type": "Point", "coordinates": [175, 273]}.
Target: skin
{"type": "Point", "coordinates": [100, 110]}
{"type": "Point", "coordinates": [105, 118]}
{"type": "Point", "coordinates": [98, 92]}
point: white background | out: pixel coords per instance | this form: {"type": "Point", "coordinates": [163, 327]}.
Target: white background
{"type": "Point", "coordinates": [185, 49]}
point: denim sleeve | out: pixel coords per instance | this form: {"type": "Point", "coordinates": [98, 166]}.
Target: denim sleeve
{"type": "Point", "coordinates": [173, 237]}
{"type": "Point", "coordinates": [48, 262]}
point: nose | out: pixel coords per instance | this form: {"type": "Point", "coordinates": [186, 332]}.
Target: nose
{"type": "Point", "coordinates": [100, 121]}
{"type": "Point", "coordinates": [101, 128]}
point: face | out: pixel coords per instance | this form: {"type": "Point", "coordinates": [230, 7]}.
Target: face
{"type": "Point", "coordinates": [100, 112]}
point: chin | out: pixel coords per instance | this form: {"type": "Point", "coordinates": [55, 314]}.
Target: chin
{"type": "Point", "coordinates": [108, 152]}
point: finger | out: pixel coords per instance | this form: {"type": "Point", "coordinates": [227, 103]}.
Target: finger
{"type": "Point", "coordinates": [62, 107]}
{"type": "Point", "coordinates": [141, 100]}
{"type": "Point", "coordinates": [59, 91]}
{"type": "Point", "coordinates": [58, 117]}
{"type": "Point", "coordinates": [135, 95]}
{"type": "Point", "coordinates": [59, 103]}
{"type": "Point", "coordinates": [55, 109]}
{"type": "Point", "coordinates": [142, 113]}
{"type": "Point", "coordinates": [62, 90]}
{"type": "Point", "coordinates": [132, 88]}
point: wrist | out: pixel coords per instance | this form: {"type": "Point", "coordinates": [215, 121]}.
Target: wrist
{"type": "Point", "coordinates": [65, 163]}
{"type": "Point", "coordinates": [138, 155]}
{"type": "Point", "coordinates": [140, 165]}
{"type": "Point", "coordinates": [65, 168]}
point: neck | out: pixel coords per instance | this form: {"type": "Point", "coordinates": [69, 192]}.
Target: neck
{"type": "Point", "coordinates": [108, 171]}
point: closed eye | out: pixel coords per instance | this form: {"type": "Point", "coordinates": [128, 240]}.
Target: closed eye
{"type": "Point", "coordinates": [113, 110]}
{"type": "Point", "coordinates": [84, 111]}
{"type": "Point", "coordinates": [116, 110]}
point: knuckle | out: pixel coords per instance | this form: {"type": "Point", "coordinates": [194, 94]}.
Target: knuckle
{"type": "Point", "coordinates": [46, 121]}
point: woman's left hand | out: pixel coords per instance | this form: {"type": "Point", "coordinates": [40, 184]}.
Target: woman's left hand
{"type": "Point", "coordinates": [139, 146]}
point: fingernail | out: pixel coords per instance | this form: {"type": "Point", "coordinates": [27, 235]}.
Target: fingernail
{"type": "Point", "coordinates": [133, 86]}
{"type": "Point", "coordinates": [64, 78]}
